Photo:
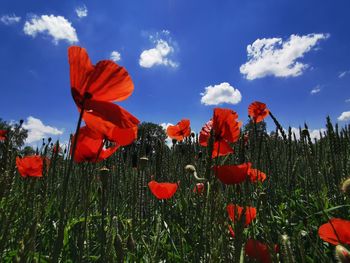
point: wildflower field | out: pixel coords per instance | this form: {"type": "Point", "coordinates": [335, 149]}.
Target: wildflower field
{"type": "Point", "coordinates": [119, 193]}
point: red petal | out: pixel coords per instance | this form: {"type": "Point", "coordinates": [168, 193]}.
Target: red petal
{"type": "Point", "coordinates": [336, 227]}
{"type": "Point", "coordinates": [221, 148]}
{"type": "Point", "coordinates": [162, 190]}
{"type": "Point", "coordinates": [30, 166]}
{"type": "Point", "coordinates": [106, 81]}
{"type": "Point", "coordinates": [232, 174]}
{"type": "Point", "coordinates": [258, 251]}
{"type": "Point", "coordinates": [112, 121]}
{"type": "Point", "coordinates": [258, 111]}
{"type": "Point", "coordinates": [256, 175]}
{"type": "Point", "coordinates": [225, 125]}
{"type": "Point", "coordinates": [179, 131]}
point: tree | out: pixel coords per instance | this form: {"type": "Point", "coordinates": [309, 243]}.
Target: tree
{"type": "Point", "coordinates": [16, 135]}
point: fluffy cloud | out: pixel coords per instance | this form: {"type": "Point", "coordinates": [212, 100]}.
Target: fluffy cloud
{"type": "Point", "coordinates": [314, 134]}
{"type": "Point", "coordinates": [81, 11]}
{"type": "Point", "coordinates": [315, 90]}
{"type": "Point", "coordinates": [115, 56]}
{"type": "Point", "coordinates": [157, 55]}
{"type": "Point", "coordinates": [55, 26]}
{"type": "Point", "coordinates": [37, 130]}
{"type": "Point", "coordinates": [222, 93]}
{"type": "Point", "coordinates": [345, 116]}
{"type": "Point", "coordinates": [343, 74]}
{"type": "Point", "coordinates": [275, 57]}
{"type": "Point", "coordinates": [347, 100]}
{"type": "Point", "coordinates": [10, 19]}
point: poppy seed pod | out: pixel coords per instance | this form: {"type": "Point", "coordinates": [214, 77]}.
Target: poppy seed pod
{"type": "Point", "coordinates": [346, 186]}
{"type": "Point", "coordinates": [342, 254]}
{"type": "Point", "coordinates": [304, 132]}
{"type": "Point", "coordinates": [143, 162]}
{"type": "Point", "coordinates": [131, 244]}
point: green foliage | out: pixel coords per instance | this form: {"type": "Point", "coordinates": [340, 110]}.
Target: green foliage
{"type": "Point", "coordinates": [301, 192]}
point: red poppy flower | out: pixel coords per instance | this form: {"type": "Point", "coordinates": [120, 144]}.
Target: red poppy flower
{"type": "Point", "coordinates": [3, 134]}
{"type": "Point", "coordinates": [30, 166]}
{"type": "Point", "coordinates": [90, 147]}
{"type": "Point", "coordinates": [258, 251]}
{"type": "Point", "coordinates": [179, 131]}
{"type": "Point", "coordinates": [106, 81]}
{"type": "Point", "coordinates": [162, 190]}
{"type": "Point", "coordinates": [336, 231]}
{"type": "Point", "coordinates": [226, 130]}
{"type": "Point", "coordinates": [199, 188]}
{"type": "Point", "coordinates": [232, 174]}
{"type": "Point", "coordinates": [250, 213]}
{"type": "Point", "coordinates": [256, 175]}
{"type": "Point", "coordinates": [98, 86]}
{"type": "Point", "coordinates": [258, 111]}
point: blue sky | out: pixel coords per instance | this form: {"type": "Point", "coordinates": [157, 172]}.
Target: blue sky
{"type": "Point", "coordinates": [299, 62]}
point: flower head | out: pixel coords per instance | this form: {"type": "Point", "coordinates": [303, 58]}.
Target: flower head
{"type": "Point", "coordinates": [30, 166]}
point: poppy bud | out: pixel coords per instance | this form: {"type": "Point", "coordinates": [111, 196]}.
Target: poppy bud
{"type": "Point", "coordinates": [134, 160]}
{"type": "Point", "coordinates": [118, 246]}
{"type": "Point", "coordinates": [193, 134]}
{"type": "Point", "coordinates": [200, 154]}
{"type": "Point", "coordinates": [342, 254]}
{"type": "Point", "coordinates": [143, 162]}
{"type": "Point", "coordinates": [304, 132]}
{"type": "Point", "coordinates": [49, 140]}
{"type": "Point", "coordinates": [346, 186]}
{"type": "Point", "coordinates": [131, 244]}
{"type": "Point", "coordinates": [21, 122]}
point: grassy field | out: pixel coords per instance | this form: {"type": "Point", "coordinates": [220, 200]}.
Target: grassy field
{"type": "Point", "coordinates": [105, 211]}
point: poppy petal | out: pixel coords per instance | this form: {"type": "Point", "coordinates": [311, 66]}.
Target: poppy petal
{"type": "Point", "coordinates": [221, 148]}
{"type": "Point", "coordinates": [258, 251]}
{"type": "Point", "coordinates": [225, 125]}
{"type": "Point", "coordinates": [112, 121]}
{"type": "Point", "coordinates": [336, 231]}
{"type": "Point", "coordinates": [162, 190]}
{"type": "Point", "coordinates": [258, 111]}
{"type": "Point", "coordinates": [31, 166]}
{"type": "Point", "coordinates": [256, 175]}
{"type": "Point", "coordinates": [179, 131]}
{"type": "Point", "coordinates": [232, 174]}
{"type": "Point", "coordinates": [106, 81]}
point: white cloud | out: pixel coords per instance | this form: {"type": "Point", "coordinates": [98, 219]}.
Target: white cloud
{"type": "Point", "coordinates": [10, 19]}
{"type": "Point", "coordinates": [345, 116]}
{"type": "Point", "coordinates": [222, 93]}
{"type": "Point", "coordinates": [37, 130]}
{"type": "Point", "coordinates": [81, 11]}
{"type": "Point", "coordinates": [314, 134]}
{"type": "Point", "coordinates": [157, 55]}
{"type": "Point", "coordinates": [347, 100]}
{"type": "Point", "coordinates": [56, 26]}
{"type": "Point", "coordinates": [315, 90]}
{"type": "Point", "coordinates": [275, 57]}
{"type": "Point", "coordinates": [115, 56]}
{"type": "Point", "coordinates": [343, 74]}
